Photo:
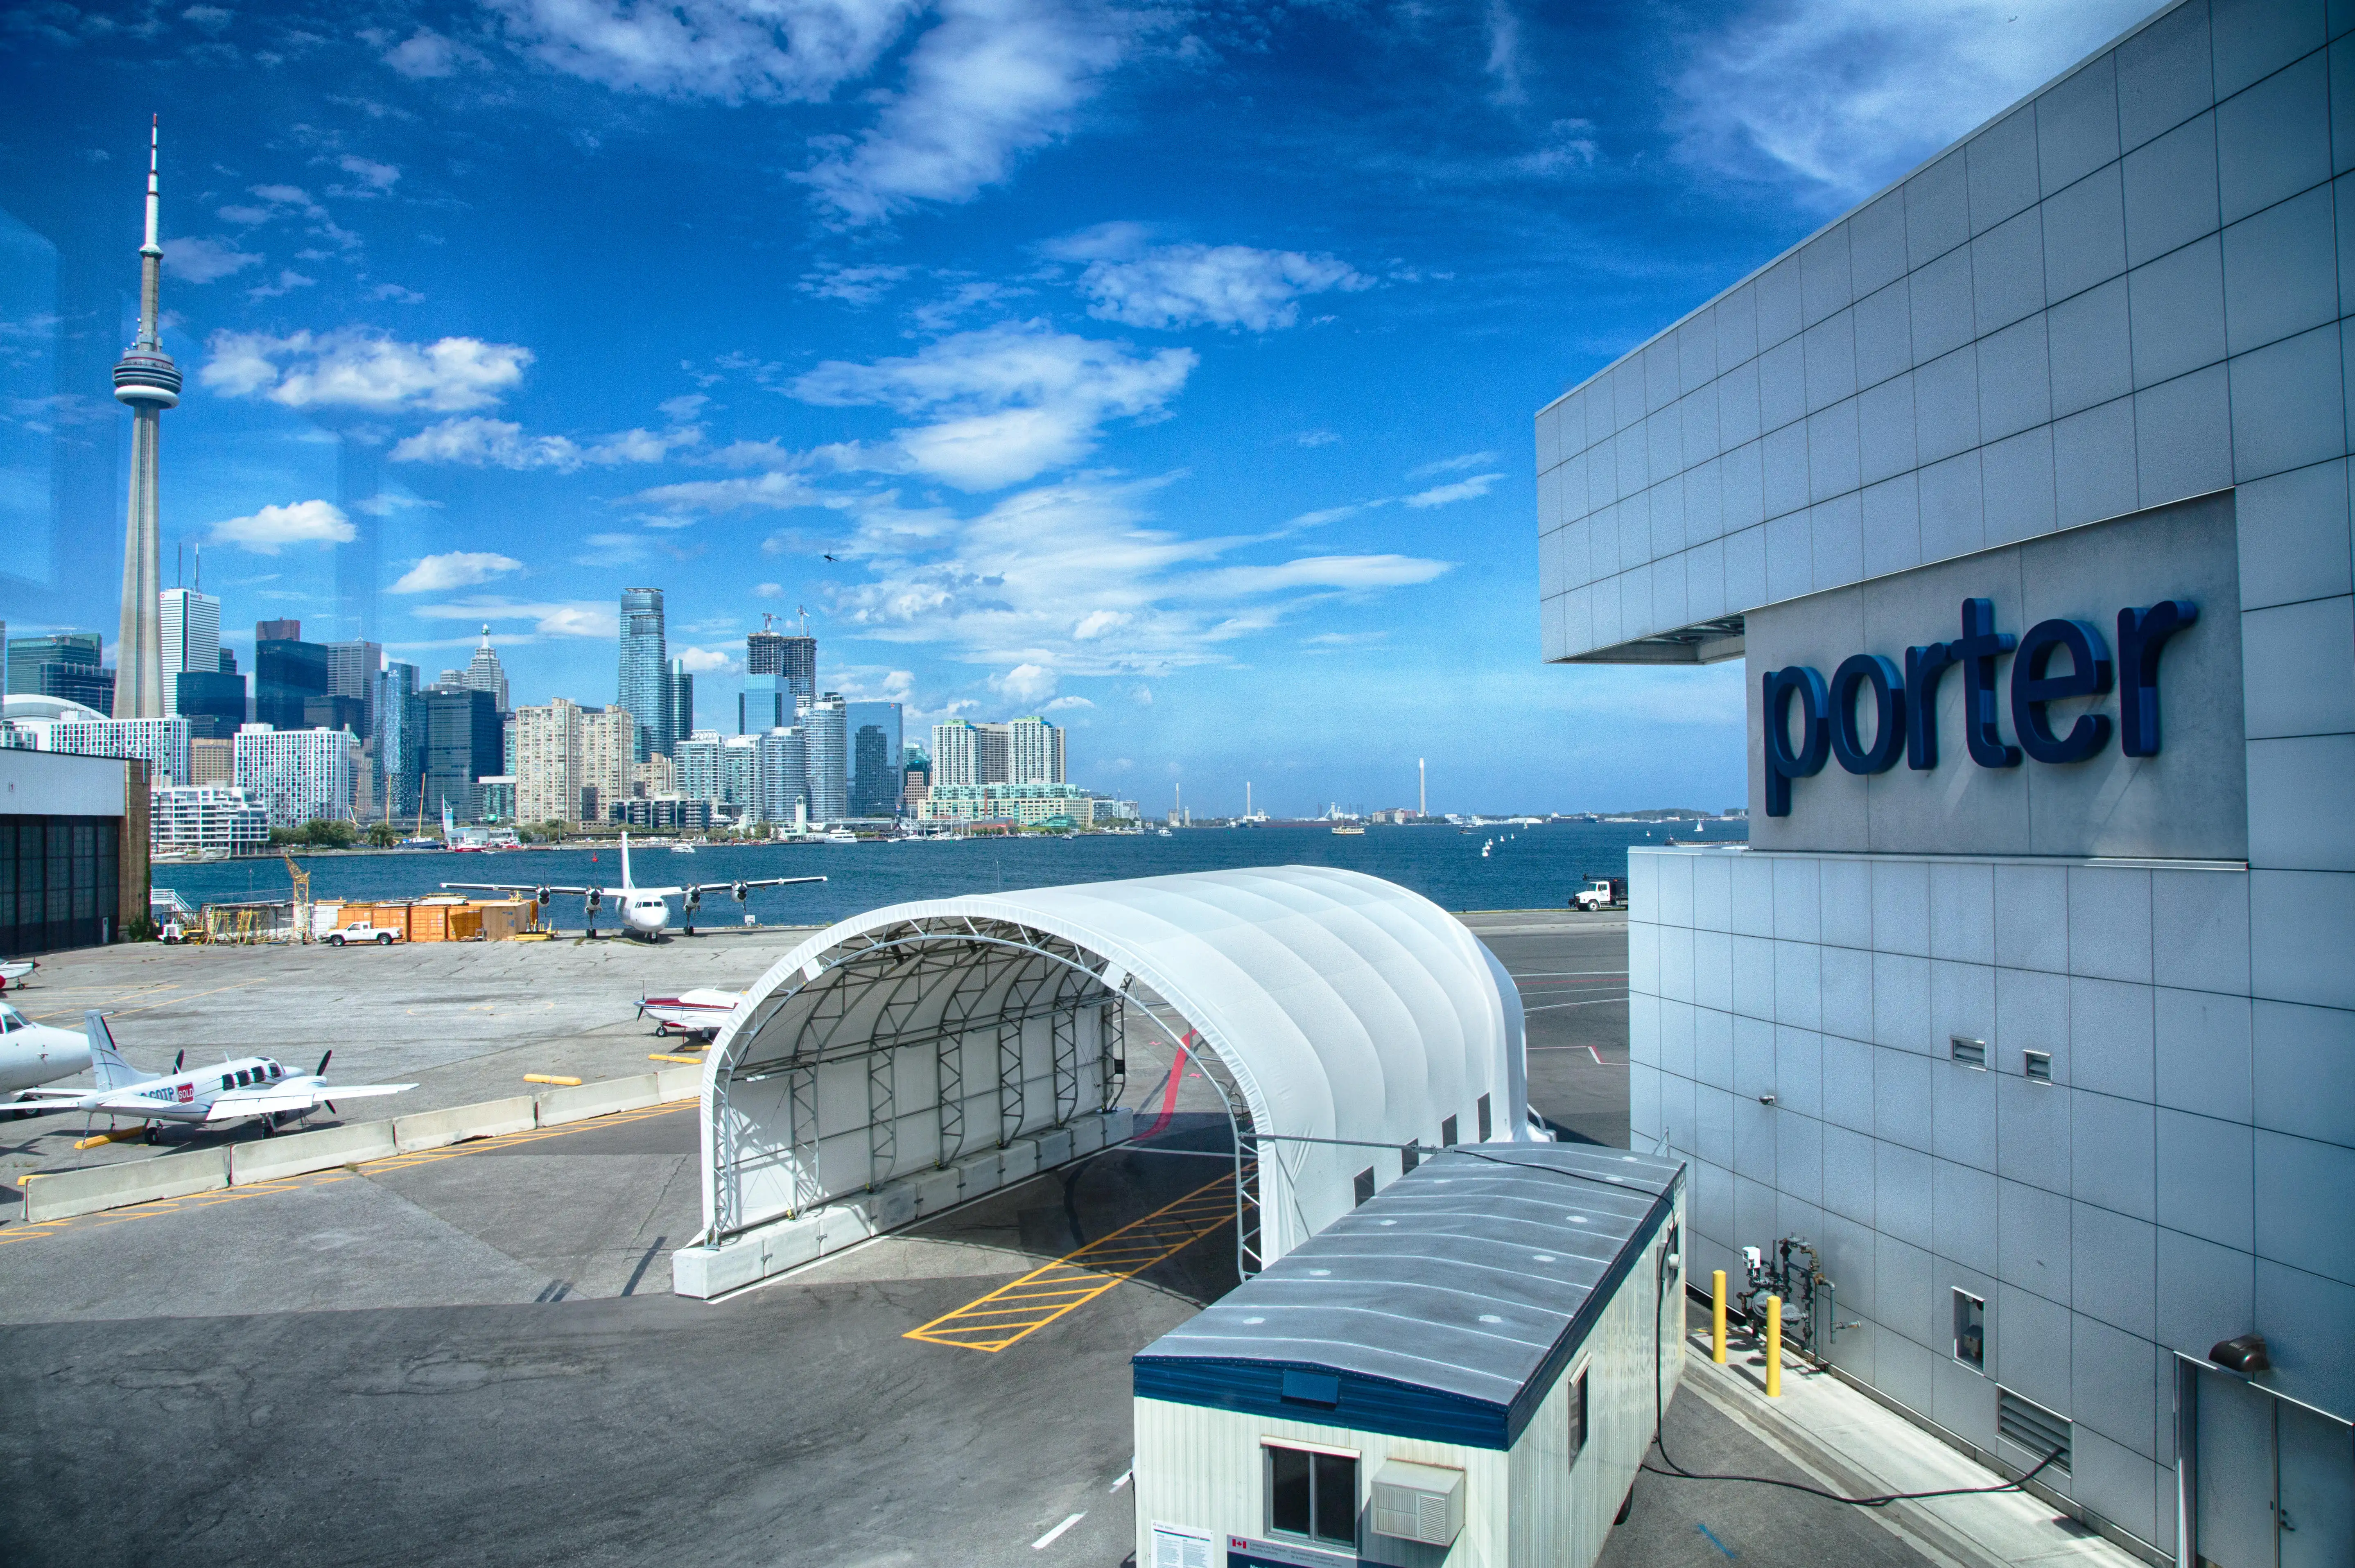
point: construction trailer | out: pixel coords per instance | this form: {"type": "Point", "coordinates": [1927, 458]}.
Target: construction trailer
{"type": "Point", "coordinates": [1465, 1370]}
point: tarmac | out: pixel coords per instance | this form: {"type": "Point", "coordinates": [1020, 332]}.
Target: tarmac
{"type": "Point", "coordinates": [472, 1355]}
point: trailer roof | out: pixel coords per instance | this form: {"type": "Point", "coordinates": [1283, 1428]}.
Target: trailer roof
{"type": "Point", "coordinates": [1445, 1307]}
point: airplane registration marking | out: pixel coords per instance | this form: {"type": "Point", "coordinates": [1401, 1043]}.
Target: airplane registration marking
{"type": "Point", "coordinates": [35, 1230]}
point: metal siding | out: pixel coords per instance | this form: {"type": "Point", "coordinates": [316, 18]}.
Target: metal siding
{"type": "Point", "coordinates": [1525, 1508]}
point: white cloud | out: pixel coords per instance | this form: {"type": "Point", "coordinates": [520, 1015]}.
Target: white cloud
{"type": "Point", "coordinates": [1470, 489]}
{"type": "Point", "coordinates": [486, 443]}
{"type": "Point", "coordinates": [770, 492]}
{"type": "Point", "coordinates": [776, 50]}
{"type": "Point", "coordinates": [1062, 703]}
{"type": "Point", "coordinates": [374, 177]}
{"type": "Point", "coordinates": [1456, 464]}
{"type": "Point", "coordinates": [577, 618]}
{"type": "Point", "coordinates": [1505, 54]}
{"type": "Point", "coordinates": [1317, 437]}
{"type": "Point", "coordinates": [769, 591]}
{"type": "Point", "coordinates": [205, 261]}
{"type": "Point", "coordinates": [396, 294]}
{"type": "Point", "coordinates": [288, 281]}
{"type": "Point", "coordinates": [1026, 685]}
{"type": "Point", "coordinates": [427, 54]}
{"type": "Point", "coordinates": [852, 285]}
{"type": "Point", "coordinates": [1845, 95]}
{"type": "Point", "coordinates": [1232, 286]}
{"type": "Point", "coordinates": [611, 549]}
{"type": "Point", "coordinates": [480, 443]}
{"type": "Point", "coordinates": [1011, 400]}
{"type": "Point", "coordinates": [357, 369]}
{"type": "Point", "coordinates": [458, 569]}
{"type": "Point", "coordinates": [1072, 578]}
{"type": "Point", "coordinates": [994, 80]}
{"type": "Point", "coordinates": [271, 530]}
{"type": "Point", "coordinates": [704, 661]}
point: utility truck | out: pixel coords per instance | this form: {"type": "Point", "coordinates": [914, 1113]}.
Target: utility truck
{"type": "Point", "coordinates": [1601, 892]}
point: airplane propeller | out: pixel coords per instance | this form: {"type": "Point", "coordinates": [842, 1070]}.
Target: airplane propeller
{"type": "Point", "coordinates": [741, 893]}
{"type": "Point", "coordinates": [322, 1071]}
{"type": "Point", "coordinates": [183, 1056]}
{"type": "Point", "coordinates": [541, 896]}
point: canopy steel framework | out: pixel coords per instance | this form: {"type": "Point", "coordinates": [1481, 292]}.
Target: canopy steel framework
{"type": "Point", "coordinates": [1333, 1013]}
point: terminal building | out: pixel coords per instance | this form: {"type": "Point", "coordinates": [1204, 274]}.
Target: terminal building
{"type": "Point", "coordinates": [2022, 491]}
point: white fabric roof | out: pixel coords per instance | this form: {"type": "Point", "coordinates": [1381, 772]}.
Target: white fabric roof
{"type": "Point", "coordinates": [1345, 1008]}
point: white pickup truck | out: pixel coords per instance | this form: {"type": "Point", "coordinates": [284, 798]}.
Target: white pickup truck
{"type": "Point", "coordinates": [363, 932]}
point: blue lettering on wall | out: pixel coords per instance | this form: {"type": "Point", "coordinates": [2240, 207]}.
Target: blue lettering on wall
{"type": "Point", "coordinates": [1904, 708]}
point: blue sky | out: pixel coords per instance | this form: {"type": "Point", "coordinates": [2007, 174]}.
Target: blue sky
{"type": "Point", "coordinates": [1169, 367]}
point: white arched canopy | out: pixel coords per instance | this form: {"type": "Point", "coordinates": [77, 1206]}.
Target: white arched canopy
{"type": "Point", "coordinates": [1342, 1017]}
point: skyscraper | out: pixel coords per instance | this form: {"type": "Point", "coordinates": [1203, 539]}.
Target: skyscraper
{"type": "Point", "coordinates": [1034, 750]}
{"type": "Point", "coordinates": [485, 672]}
{"type": "Point", "coordinates": [793, 658]}
{"type": "Point", "coordinates": [644, 681]}
{"type": "Point", "coordinates": [287, 673]}
{"type": "Point", "coordinates": [682, 703]}
{"type": "Point", "coordinates": [351, 672]}
{"type": "Point", "coordinates": [876, 782]}
{"type": "Point", "coordinates": [189, 627]}
{"type": "Point", "coordinates": [146, 379]}
{"type": "Point", "coordinates": [825, 737]}
{"type": "Point", "coordinates": [460, 748]}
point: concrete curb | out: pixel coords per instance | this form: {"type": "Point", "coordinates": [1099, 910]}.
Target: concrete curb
{"type": "Point", "coordinates": [118, 1186]}
{"type": "Point", "coordinates": [71, 1192]}
{"type": "Point", "coordinates": [557, 1106]}
{"type": "Point", "coordinates": [298, 1154]}
{"type": "Point", "coordinates": [437, 1129]}
{"type": "Point", "coordinates": [777, 1245]}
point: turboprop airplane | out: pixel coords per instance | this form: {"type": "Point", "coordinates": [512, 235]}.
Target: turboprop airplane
{"type": "Point", "coordinates": [248, 1086]}
{"type": "Point", "coordinates": [645, 913]}
{"type": "Point", "coordinates": [33, 1054]}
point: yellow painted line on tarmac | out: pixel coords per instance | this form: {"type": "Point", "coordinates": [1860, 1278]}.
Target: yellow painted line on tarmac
{"type": "Point", "coordinates": [112, 1013]}
{"type": "Point", "coordinates": [34, 1231]}
{"type": "Point", "coordinates": [1021, 1307]}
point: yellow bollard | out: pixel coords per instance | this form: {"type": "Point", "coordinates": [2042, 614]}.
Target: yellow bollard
{"type": "Point", "coordinates": [1774, 1346]}
{"type": "Point", "coordinates": [1717, 1316]}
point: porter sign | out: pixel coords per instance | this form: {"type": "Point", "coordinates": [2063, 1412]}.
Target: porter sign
{"type": "Point", "coordinates": [1900, 709]}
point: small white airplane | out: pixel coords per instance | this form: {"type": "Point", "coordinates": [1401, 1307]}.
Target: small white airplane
{"type": "Point", "coordinates": [691, 1013]}
{"type": "Point", "coordinates": [645, 913]}
{"type": "Point", "coordinates": [247, 1087]}
{"type": "Point", "coordinates": [33, 1054]}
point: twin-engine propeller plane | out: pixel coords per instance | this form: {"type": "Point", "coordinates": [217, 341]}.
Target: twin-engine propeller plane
{"type": "Point", "coordinates": [251, 1087]}
{"type": "Point", "coordinates": [645, 912]}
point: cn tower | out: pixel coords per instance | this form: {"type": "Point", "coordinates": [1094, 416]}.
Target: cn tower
{"type": "Point", "coordinates": [145, 378]}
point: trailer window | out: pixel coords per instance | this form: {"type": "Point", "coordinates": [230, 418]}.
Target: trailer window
{"type": "Point", "coordinates": [1447, 1133]}
{"type": "Point", "coordinates": [1577, 1403]}
{"type": "Point", "coordinates": [1484, 1118]}
{"type": "Point", "coordinates": [1312, 1496]}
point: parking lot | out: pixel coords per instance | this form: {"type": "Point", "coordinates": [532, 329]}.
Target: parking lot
{"type": "Point", "coordinates": [472, 1355]}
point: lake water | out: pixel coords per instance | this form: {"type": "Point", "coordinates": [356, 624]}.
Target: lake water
{"type": "Point", "coordinates": [1525, 868]}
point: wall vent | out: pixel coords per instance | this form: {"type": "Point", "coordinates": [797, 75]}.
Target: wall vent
{"type": "Point", "coordinates": [2031, 1426]}
{"type": "Point", "coordinates": [2037, 1065]}
{"type": "Point", "coordinates": [1969, 1052]}
{"type": "Point", "coordinates": [1365, 1185]}
{"type": "Point", "coordinates": [1418, 1503]}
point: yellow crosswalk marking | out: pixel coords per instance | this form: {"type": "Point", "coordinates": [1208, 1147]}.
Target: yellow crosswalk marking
{"type": "Point", "coordinates": [1022, 1306]}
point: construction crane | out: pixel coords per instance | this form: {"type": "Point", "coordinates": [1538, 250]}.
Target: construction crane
{"type": "Point", "coordinates": [302, 897]}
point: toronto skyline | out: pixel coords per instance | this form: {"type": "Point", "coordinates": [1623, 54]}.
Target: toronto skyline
{"type": "Point", "coordinates": [1210, 440]}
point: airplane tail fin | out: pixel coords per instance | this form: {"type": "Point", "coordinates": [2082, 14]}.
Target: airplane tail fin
{"type": "Point", "coordinates": [106, 1062]}
{"type": "Point", "coordinates": [625, 860]}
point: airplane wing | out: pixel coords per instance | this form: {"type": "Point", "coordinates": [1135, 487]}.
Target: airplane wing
{"type": "Point", "coordinates": [277, 1099]}
{"type": "Point", "coordinates": [747, 882]}
{"type": "Point", "coordinates": [524, 888]}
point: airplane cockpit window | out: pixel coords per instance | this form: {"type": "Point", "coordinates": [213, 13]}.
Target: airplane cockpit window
{"type": "Point", "coordinates": [9, 1018]}
{"type": "Point", "coordinates": [276, 1070]}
